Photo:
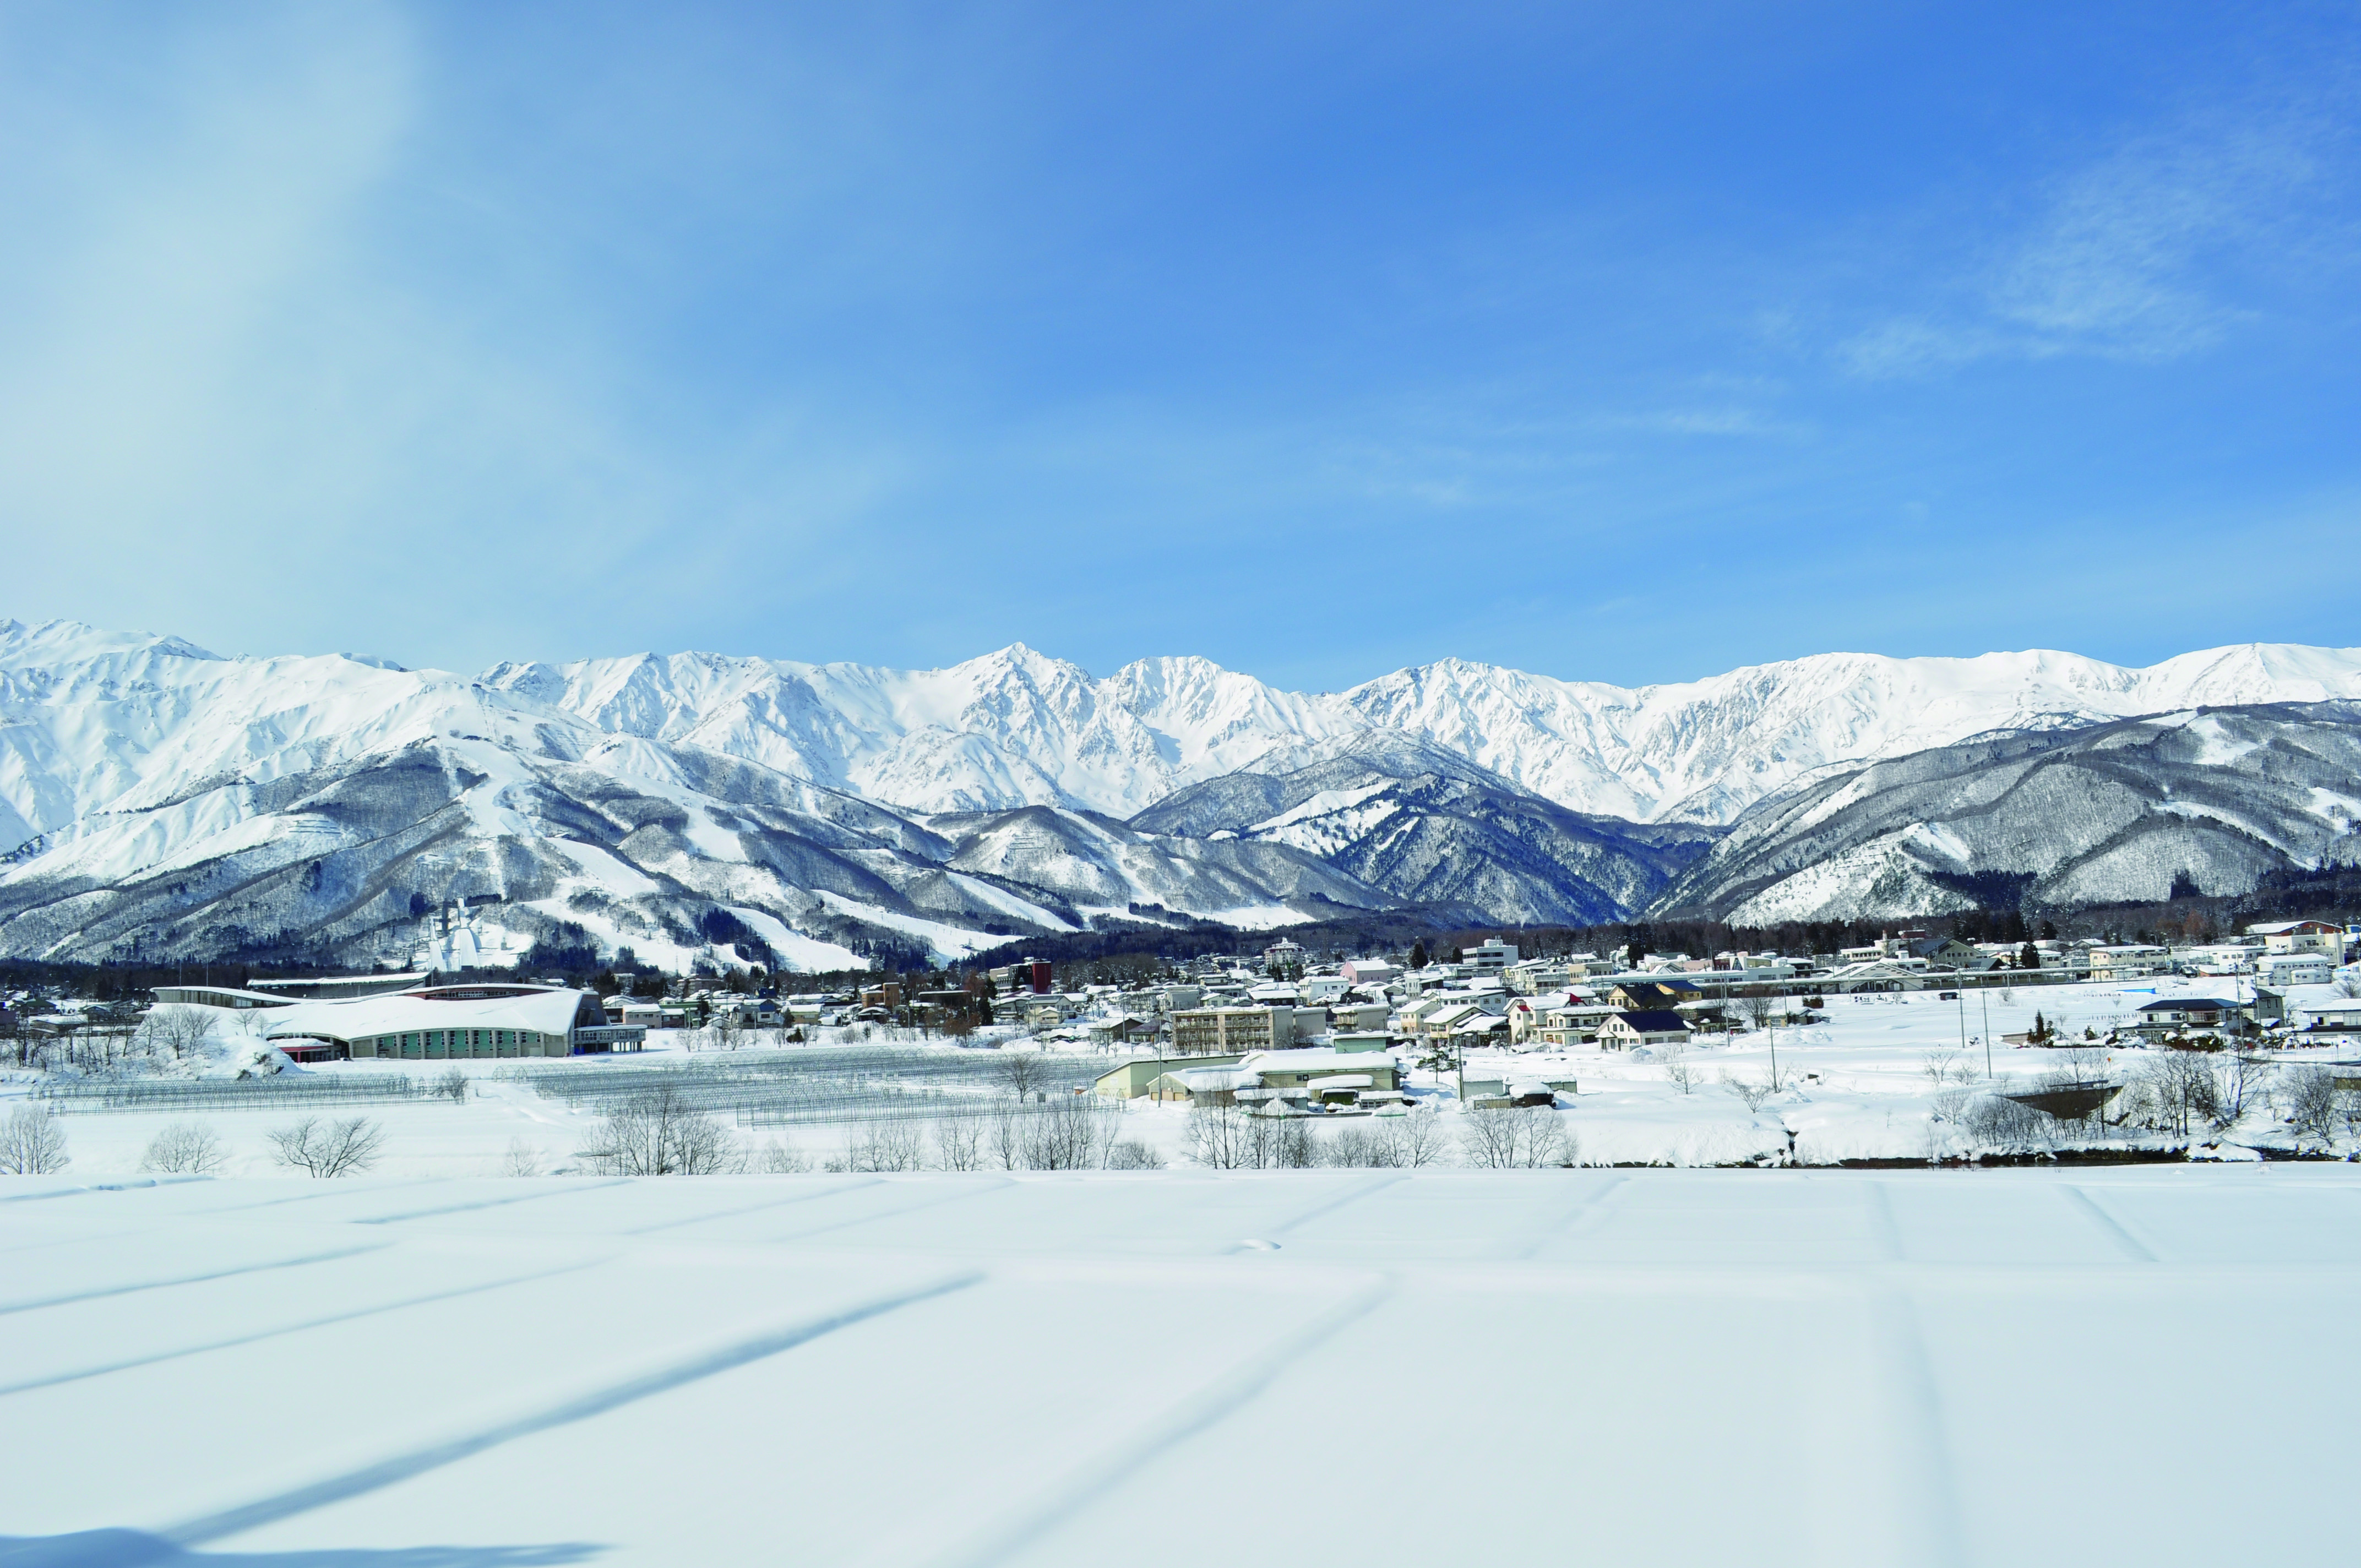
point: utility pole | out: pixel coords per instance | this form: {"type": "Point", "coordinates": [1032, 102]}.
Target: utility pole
{"type": "Point", "coordinates": [1983, 1000]}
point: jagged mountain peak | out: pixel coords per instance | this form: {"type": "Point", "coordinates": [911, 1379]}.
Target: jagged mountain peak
{"type": "Point", "coordinates": [766, 782]}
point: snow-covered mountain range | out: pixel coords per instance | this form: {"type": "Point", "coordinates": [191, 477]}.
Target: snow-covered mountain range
{"type": "Point", "coordinates": [165, 800]}
{"type": "Point", "coordinates": [1016, 728]}
{"type": "Point", "coordinates": [2135, 811]}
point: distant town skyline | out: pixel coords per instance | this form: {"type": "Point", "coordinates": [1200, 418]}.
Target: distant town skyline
{"type": "Point", "coordinates": [1626, 347]}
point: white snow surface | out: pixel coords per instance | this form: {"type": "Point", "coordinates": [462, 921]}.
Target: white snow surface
{"type": "Point", "coordinates": [1175, 1367]}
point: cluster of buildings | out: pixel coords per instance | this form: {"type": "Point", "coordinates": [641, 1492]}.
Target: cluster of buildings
{"type": "Point", "coordinates": [1231, 1029]}
{"type": "Point", "coordinates": [1277, 1026]}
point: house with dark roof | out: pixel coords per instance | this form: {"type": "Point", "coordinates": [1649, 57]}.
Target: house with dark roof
{"type": "Point", "coordinates": [2173, 1014]}
{"type": "Point", "coordinates": [1947, 952]}
{"type": "Point", "coordinates": [1648, 996]}
{"type": "Point", "coordinates": [1628, 1030]}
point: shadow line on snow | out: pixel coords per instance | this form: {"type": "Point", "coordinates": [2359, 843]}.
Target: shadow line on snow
{"type": "Point", "coordinates": [138, 1548]}
{"type": "Point", "coordinates": [567, 1191]}
{"type": "Point", "coordinates": [1592, 1206]}
{"type": "Point", "coordinates": [71, 1298]}
{"type": "Point", "coordinates": [2117, 1232]}
{"type": "Point", "coordinates": [1233, 1391]}
{"type": "Point", "coordinates": [1003, 1184]}
{"type": "Point", "coordinates": [261, 1335]}
{"type": "Point", "coordinates": [418, 1462]}
{"type": "Point", "coordinates": [835, 1191]}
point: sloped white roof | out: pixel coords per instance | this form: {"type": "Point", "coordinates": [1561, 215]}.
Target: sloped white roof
{"type": "Point", "coordinates": [549, 1012]}
{"type": "Point", "coordinates": [1309, 1061]}
{"type": "Point", "coordinates": [1198, 1079]}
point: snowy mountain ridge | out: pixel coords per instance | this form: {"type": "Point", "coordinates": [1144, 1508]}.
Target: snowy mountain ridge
{"type": "Point", "coordinates": [1017, 727]}
{"type": "Point", "coordinates": [157, 798]}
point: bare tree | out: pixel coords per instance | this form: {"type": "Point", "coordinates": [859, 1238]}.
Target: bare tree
{"type": "Point", "coordinates": [1748, 1089]}
{"type": "Point", "coordinates": [1523, 1138]}
{"type": "Point", "coordinates": [958, 1138]}
{"type": "Point", "coordinates": [2179, 1087]}
{"type": "Point", "coordinates": [184, 1148]}
{"type": "Point", "coordinates": [1132, 1154]}
{"type": "Point", "coordinates": [1679, 1071]}
{"type": "Point", "coordinates": [1069, 1134]}
{"type": "Point", "coordinates": [1417, 1138]}
{"type": "Point", "coordinates": [2240, 1080]}
{"type": "Point", "coordinates": [178, 1031]}
{"type": "Point", "coordinates": [1278, 1143]}
{"type": "Point", "coordinates": [1022, 1070]}
{"type": "Point", "coordinates": [780, 1157]}
{"type": "Point", "coordinates": [2077, 1065]}
{"type": "Point", "coordinates": [1357, 1146]}
{"type": "Point", "coordinates": [1003, 1136]}
{"type": "Point", "coordinates": [1951, 1104]}
{"type": "Point", "coordinates": [326, 1149]}
{"type": "Point", "coordinates": [1217, 1135]}
{"type": "Point", "coordinates": [521, 1160]}
{"type": "Point", "coordinates": [1997, 1122]}
{"type": "Point", "coordinates": [659, 1133]}
{"type": "Point", "coordinates": [2314, 1104]}
{"type": "Point", "coordinates": [32, 1144]}
{"type": "Point", "coordinates": [1760, 1011]}
{"type": "Point", "coordinates": [452, 1086]}
{"type": "Point", "coordinates": [893, 1144]}
{"type": "Point", "coordinates": [1944, 1065]}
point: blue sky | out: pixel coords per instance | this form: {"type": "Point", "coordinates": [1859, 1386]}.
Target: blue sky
{"type": "Point", "coordinates": [1617, 343]}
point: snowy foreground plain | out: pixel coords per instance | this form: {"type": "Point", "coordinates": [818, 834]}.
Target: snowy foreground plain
{"type": "Point", "coordinates": [2138, 1365]}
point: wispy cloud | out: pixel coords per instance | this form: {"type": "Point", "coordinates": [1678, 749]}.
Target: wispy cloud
{"type": "Point", "coordinates": [2149, 252]}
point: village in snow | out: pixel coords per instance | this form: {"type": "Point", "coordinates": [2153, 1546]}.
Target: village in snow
{"type": "Point", "coordinates": [412, 1269]}
{"type": "Point", "coordinates": [1915, 1049]}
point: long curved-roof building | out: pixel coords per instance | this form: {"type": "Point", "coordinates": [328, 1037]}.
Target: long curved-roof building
{"type": "Point", "coordinates": [452, 1023]}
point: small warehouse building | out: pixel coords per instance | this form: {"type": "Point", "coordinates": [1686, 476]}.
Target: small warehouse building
{"type": "Point", "coordinates": [452, 1023]}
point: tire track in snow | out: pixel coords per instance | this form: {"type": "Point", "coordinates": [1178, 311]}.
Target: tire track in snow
{"type": "Point", "coordinates": [567, 1191]}
{"type": "Point", "coordinates": [1884, 1228]}
{"type": "Point", "coordinates": [1590, 1210]}
{"type": "Point", "coordinates": [130, 1364]}
{"type": "Point", "coordinates": [755, 1208]}
{"type": "Point", "coordinates": [1001, 1185]}
{"type": "Point", "coordinates": [1928, 1495]}
{"type": "Point", "coordinates": [69, 1298]}
{"type": "Point", "coordinates": [1330, 1207]}
{"type": "Point", "coordinates": [335, 1190]}
{"type": "Point", "coordinates": [2116, 1231]}
{"type": "Point", "coordinates": [418, 1462]}
{"type": "Point", "coordinates": [1233, 1391]}
{"type": "Point", "coordinates": [143, 1183]}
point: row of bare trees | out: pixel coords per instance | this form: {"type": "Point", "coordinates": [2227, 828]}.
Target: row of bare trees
{"type": "Point", "coordinates": [1231, 1137]}
{"type": "Point", "coordinates": [33, 1144]}
{"type": "Point", "coordinates": [660, 1132]}
{"type": "Point", "coordinates": [157, 1041]}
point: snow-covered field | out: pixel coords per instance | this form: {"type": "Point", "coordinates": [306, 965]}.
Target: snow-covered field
{"type": "Point", "coordinates": [2142, 1366]}
{"type": "Point", "coordinates": [1862, 1086]}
